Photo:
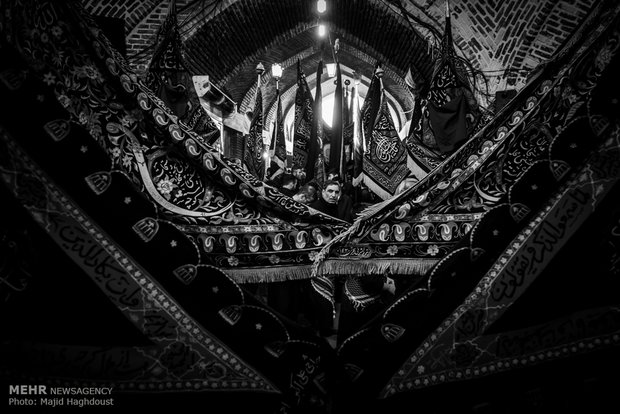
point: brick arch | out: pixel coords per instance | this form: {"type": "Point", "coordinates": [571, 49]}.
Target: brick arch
{"type": "Point", "coordinates": [250, 30]}
{"type": "Point", "coordinates": [143, 19]}
{"type": "Point", "coordinates": [288, 96]}
{"type": "Point", "coordinates": [357, 48]}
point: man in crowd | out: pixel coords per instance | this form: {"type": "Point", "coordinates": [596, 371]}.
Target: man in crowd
{"type": "Point", "coordinates": [289, 185]}
{"type": "Point", "coordinates": [331, 202]}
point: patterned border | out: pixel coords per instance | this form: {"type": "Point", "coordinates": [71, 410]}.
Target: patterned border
{"type": "Point", "coordinates": [62, 209]}
{"type": "Point", "coordinates": [537, 243]}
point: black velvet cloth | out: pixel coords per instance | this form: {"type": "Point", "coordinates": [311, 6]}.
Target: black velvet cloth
{"type": "Point", "coordinates": [325, 207]}
{"type": "Point", "coordinates": [288, 191]}
{"type": "Point", "coordinates": [343, 210]}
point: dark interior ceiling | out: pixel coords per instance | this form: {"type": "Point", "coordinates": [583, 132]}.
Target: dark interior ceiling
{"type": "Point", "coordinates": [281, 31]}
{"type": "Point", "coordinates": [226, 39]}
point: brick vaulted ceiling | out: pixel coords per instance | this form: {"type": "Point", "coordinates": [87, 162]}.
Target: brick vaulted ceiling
{"type": "Point", "coordinates": [225, 39]}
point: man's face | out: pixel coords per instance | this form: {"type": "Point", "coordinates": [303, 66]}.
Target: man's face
{"type": "Point", "coordinates": [300, 198]}
{"type": "Point", "coordinates": [331, 193]}
{"type": "Point", "coordinates": [299, 173]}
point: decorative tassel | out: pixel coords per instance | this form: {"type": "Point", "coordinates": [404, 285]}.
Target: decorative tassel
{"type": "Point", "coordinates": [269, 274]}
{"type": "Point", "coordinates": [383, 266]}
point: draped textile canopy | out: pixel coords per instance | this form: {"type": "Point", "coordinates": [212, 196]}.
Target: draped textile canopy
{"type": "Point", "coordinates": [168, 233]}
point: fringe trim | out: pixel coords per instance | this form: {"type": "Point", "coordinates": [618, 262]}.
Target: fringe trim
{"type": "Point", "coordinates": [359, 303]}
{"type": "Point", "coordinates": [344, 236]}
{"type": "Point", "coordinates": [320, 257]}
{"type": "Point", "coordinates": [325, 287]}
{"type": "Point", "coordinates": [383, 266]}
{"type": "Point", "coordinates": [269, 274]}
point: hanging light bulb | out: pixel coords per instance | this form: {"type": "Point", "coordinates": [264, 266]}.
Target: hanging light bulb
{"type": "Point", "coordinates": [276, 71]}
{"type": "Point", "coordinates": [321, 6]}
{"type": "Point", "coordinates": [322, 30]}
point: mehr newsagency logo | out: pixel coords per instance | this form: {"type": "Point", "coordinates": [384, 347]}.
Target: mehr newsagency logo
{"type": "Point", "coordinates": [45, 396]}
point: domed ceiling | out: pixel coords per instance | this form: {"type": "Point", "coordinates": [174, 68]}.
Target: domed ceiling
{"type": "Point", "coordinates": [226, 39]}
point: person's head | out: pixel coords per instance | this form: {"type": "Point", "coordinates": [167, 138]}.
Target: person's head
{"type": "Point", "coordinates": [289, 181]}
{"type": "Point", "coordinates": [310, 191]}
{"type": "Point", "coordinates": [299, 173]}
{"type": "Point", "coordinates": [301, 197]}
{"type": "Point", "coordinates": [331, 191]}
{"type": "Point", "coordinates": [314, 186]}
{"type": "Point", "coordinates": [333, 176]}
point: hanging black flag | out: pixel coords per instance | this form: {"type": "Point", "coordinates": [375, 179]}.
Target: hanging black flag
{"type": "Point", "coordinates": [357, 152]}
{"type": "Point", "coordinates": [169, 78]}
{"type": "Point", "coordinates": [450, 99]}
{"type": "Point", "coordinates": [385, 159]}
{"type": "Point", "coordinates": [368, 115]}
{"type": "Point", "coordinates": [304, 118]}
{"type": "Point", "coordinates": [423, 154]}
{"type": "Point", "coordinates": [253, 155]}
{"type": "Point", "coordinates": [315, 157]}
{"type": "Point", "coordinates": [278, 143]}
{"type": "Point", "coordinates": [336, 147]}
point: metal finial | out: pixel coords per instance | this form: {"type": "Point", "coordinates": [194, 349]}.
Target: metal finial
{"type": "Point", "coordinates": [260, 69]}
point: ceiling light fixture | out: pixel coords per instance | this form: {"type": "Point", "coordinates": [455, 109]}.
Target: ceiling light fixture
{"type": "Point", "coordinates": [276, 72]}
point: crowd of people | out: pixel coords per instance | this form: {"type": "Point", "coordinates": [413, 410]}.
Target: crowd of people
{"type": "Point", "coordinates": [334, 196]}
{"type": "Point", "coordinates": [294, 299]}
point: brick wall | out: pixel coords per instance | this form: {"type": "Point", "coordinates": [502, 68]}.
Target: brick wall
{"type": "Point", "coordinates": [494, 35]}
{"type": "Point", "coordinates": [142, 21]}
{"type": "Point", "coordinates": [508, 38]}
